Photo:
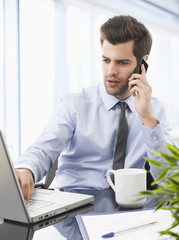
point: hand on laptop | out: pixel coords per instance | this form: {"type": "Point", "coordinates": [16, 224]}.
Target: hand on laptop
{"type": "Point", "coordinates": [25, 179]}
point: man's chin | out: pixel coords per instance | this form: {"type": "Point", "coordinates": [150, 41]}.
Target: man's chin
{"type": "Point", "coordinates": [123, 94]}
{"type": "Point", "coordinates": [117, 92]}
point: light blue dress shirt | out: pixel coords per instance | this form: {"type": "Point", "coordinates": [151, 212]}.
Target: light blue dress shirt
{"type": "Point", "coordinates": [84, 132]}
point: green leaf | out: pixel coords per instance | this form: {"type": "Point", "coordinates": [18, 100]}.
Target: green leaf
{"type": "Point", "coordinates": [175, 173]}
{"type": "Point", "coordinates": [169, 233]}
{"type": "Point", "coordinates": [155, 163]}
{"type": "Point", "coordinates": [173, 189]}
{"type": "Point", "coordinates": [175, 215]}
{"type": "Point", "coordinates": [161, 176]}
{"type": "Point", "coordinates": [173, 181]}
{"type": "Point", "coordinates": [146, 192]}
{"type": "Point", "coordinates": [161, 204]}
{"type": "Point", "coordinates": [173, 149]}
{"type": "Point", "coordinates": [170, 159]}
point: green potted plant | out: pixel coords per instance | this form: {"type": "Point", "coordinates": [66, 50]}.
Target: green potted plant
{"type": "Point", "coordinates": [167, 192]}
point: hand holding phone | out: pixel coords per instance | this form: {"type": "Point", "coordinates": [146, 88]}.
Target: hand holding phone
{"type": "Point", "coordinates": [142, 93]}
{"type": "Point", "coordinates": [138, 71]}
{"type": "Point", "coordinates": [145, 65]}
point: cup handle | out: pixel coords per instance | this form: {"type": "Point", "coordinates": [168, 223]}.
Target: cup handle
{"type": "Point", "coordinates": [108, 175]}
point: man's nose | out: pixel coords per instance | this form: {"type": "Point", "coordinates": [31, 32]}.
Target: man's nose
{"type": "Point", "coordinates": [112, 69]}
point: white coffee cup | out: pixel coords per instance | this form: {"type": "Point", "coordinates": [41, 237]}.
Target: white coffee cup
{"type": "Point", "coordinates": [127, 185]}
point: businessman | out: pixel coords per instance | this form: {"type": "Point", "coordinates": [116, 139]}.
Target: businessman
{"type": "Point", "coordinates": [84, 129]}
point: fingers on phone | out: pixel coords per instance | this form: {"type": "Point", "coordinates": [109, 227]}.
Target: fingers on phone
{"type": "Point", "coordinates": [143, 70]}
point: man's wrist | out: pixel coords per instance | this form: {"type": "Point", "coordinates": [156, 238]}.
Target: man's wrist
{"type": "Point", "coordinates": [30, 172]}
{"type": "Point", "coordinates": [150, 122]}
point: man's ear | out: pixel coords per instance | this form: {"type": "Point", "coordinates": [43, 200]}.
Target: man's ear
{"type": "Point", "coordinates": [145, 57]}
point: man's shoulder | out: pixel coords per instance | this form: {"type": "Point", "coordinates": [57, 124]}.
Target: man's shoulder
{"type": "Point", "coordinates": [86, 94]}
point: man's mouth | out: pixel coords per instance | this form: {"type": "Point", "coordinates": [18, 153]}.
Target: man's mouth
{"type": "Point", "coordinates": [112, 81]}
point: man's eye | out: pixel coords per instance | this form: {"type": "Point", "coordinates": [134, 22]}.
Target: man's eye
{"type": "Point", "coordinates": [123, 62]}
{"type": "Point", "coordinates": [106, 60]}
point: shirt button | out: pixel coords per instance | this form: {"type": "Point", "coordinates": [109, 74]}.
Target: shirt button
{"type": "Point", "coordinates": [155, 138]}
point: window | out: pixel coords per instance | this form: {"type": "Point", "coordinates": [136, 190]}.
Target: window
{"type": "Point", "coordinates": [10, 121]}
{"type": "Point", "coordinates": [59, 52]}
{"type": "Point", "coordinates": [37, 69]}
{"type": "Point", "coordinates": [51, 47]}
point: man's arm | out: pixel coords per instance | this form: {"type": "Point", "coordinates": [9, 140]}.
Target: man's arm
{"type": "Point", "coordinates": [41, 155]}
{"type": "Point", "coordinates": [25, 178]}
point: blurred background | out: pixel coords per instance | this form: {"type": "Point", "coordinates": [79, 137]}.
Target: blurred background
{"type": "Point", "coordinates": [49, 47]}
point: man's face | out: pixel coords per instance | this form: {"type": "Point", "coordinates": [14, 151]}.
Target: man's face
{"type": "Point", "coordinates": [118, 65]}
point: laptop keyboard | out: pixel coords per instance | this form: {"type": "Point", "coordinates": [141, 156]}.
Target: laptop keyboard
{"type": "Point", "coordinates": [35, 204]}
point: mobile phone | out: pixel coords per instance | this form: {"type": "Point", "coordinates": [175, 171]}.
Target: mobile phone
{"type": "Point", "coordinates": [138, 69]}
{"type": "Point", "coordinates": [145, 65]}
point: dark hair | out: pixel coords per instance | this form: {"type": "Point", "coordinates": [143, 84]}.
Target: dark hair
{"type": "Point", "coordinates": [120, 29]}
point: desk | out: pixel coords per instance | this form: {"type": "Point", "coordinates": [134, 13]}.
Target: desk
{"type": "Point", "coordinates": [68, 227]}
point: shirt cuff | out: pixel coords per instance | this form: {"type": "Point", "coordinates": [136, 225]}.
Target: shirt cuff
{"type": "Point", "coordinates": [153, 138]}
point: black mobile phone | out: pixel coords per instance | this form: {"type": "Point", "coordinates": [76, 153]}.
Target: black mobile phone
{"type": "Point", "coordinates": [145, 65]}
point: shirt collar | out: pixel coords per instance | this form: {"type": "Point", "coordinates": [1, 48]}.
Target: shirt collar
{"type": "Point", "coordinates": [110, 101]}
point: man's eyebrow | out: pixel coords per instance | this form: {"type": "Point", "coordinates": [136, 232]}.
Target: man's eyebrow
{"type": "Point", "coordinates": [119, 60]}
{"type": "Point", "coordinates": [124, 60]}
{"type": "Point", "coordinates": [104, 56]}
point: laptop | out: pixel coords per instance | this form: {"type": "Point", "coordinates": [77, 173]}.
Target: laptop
{"type": "Point", "coordinates": [43, 204]}
{"type": "Point", "coordinates": [14, 230]}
